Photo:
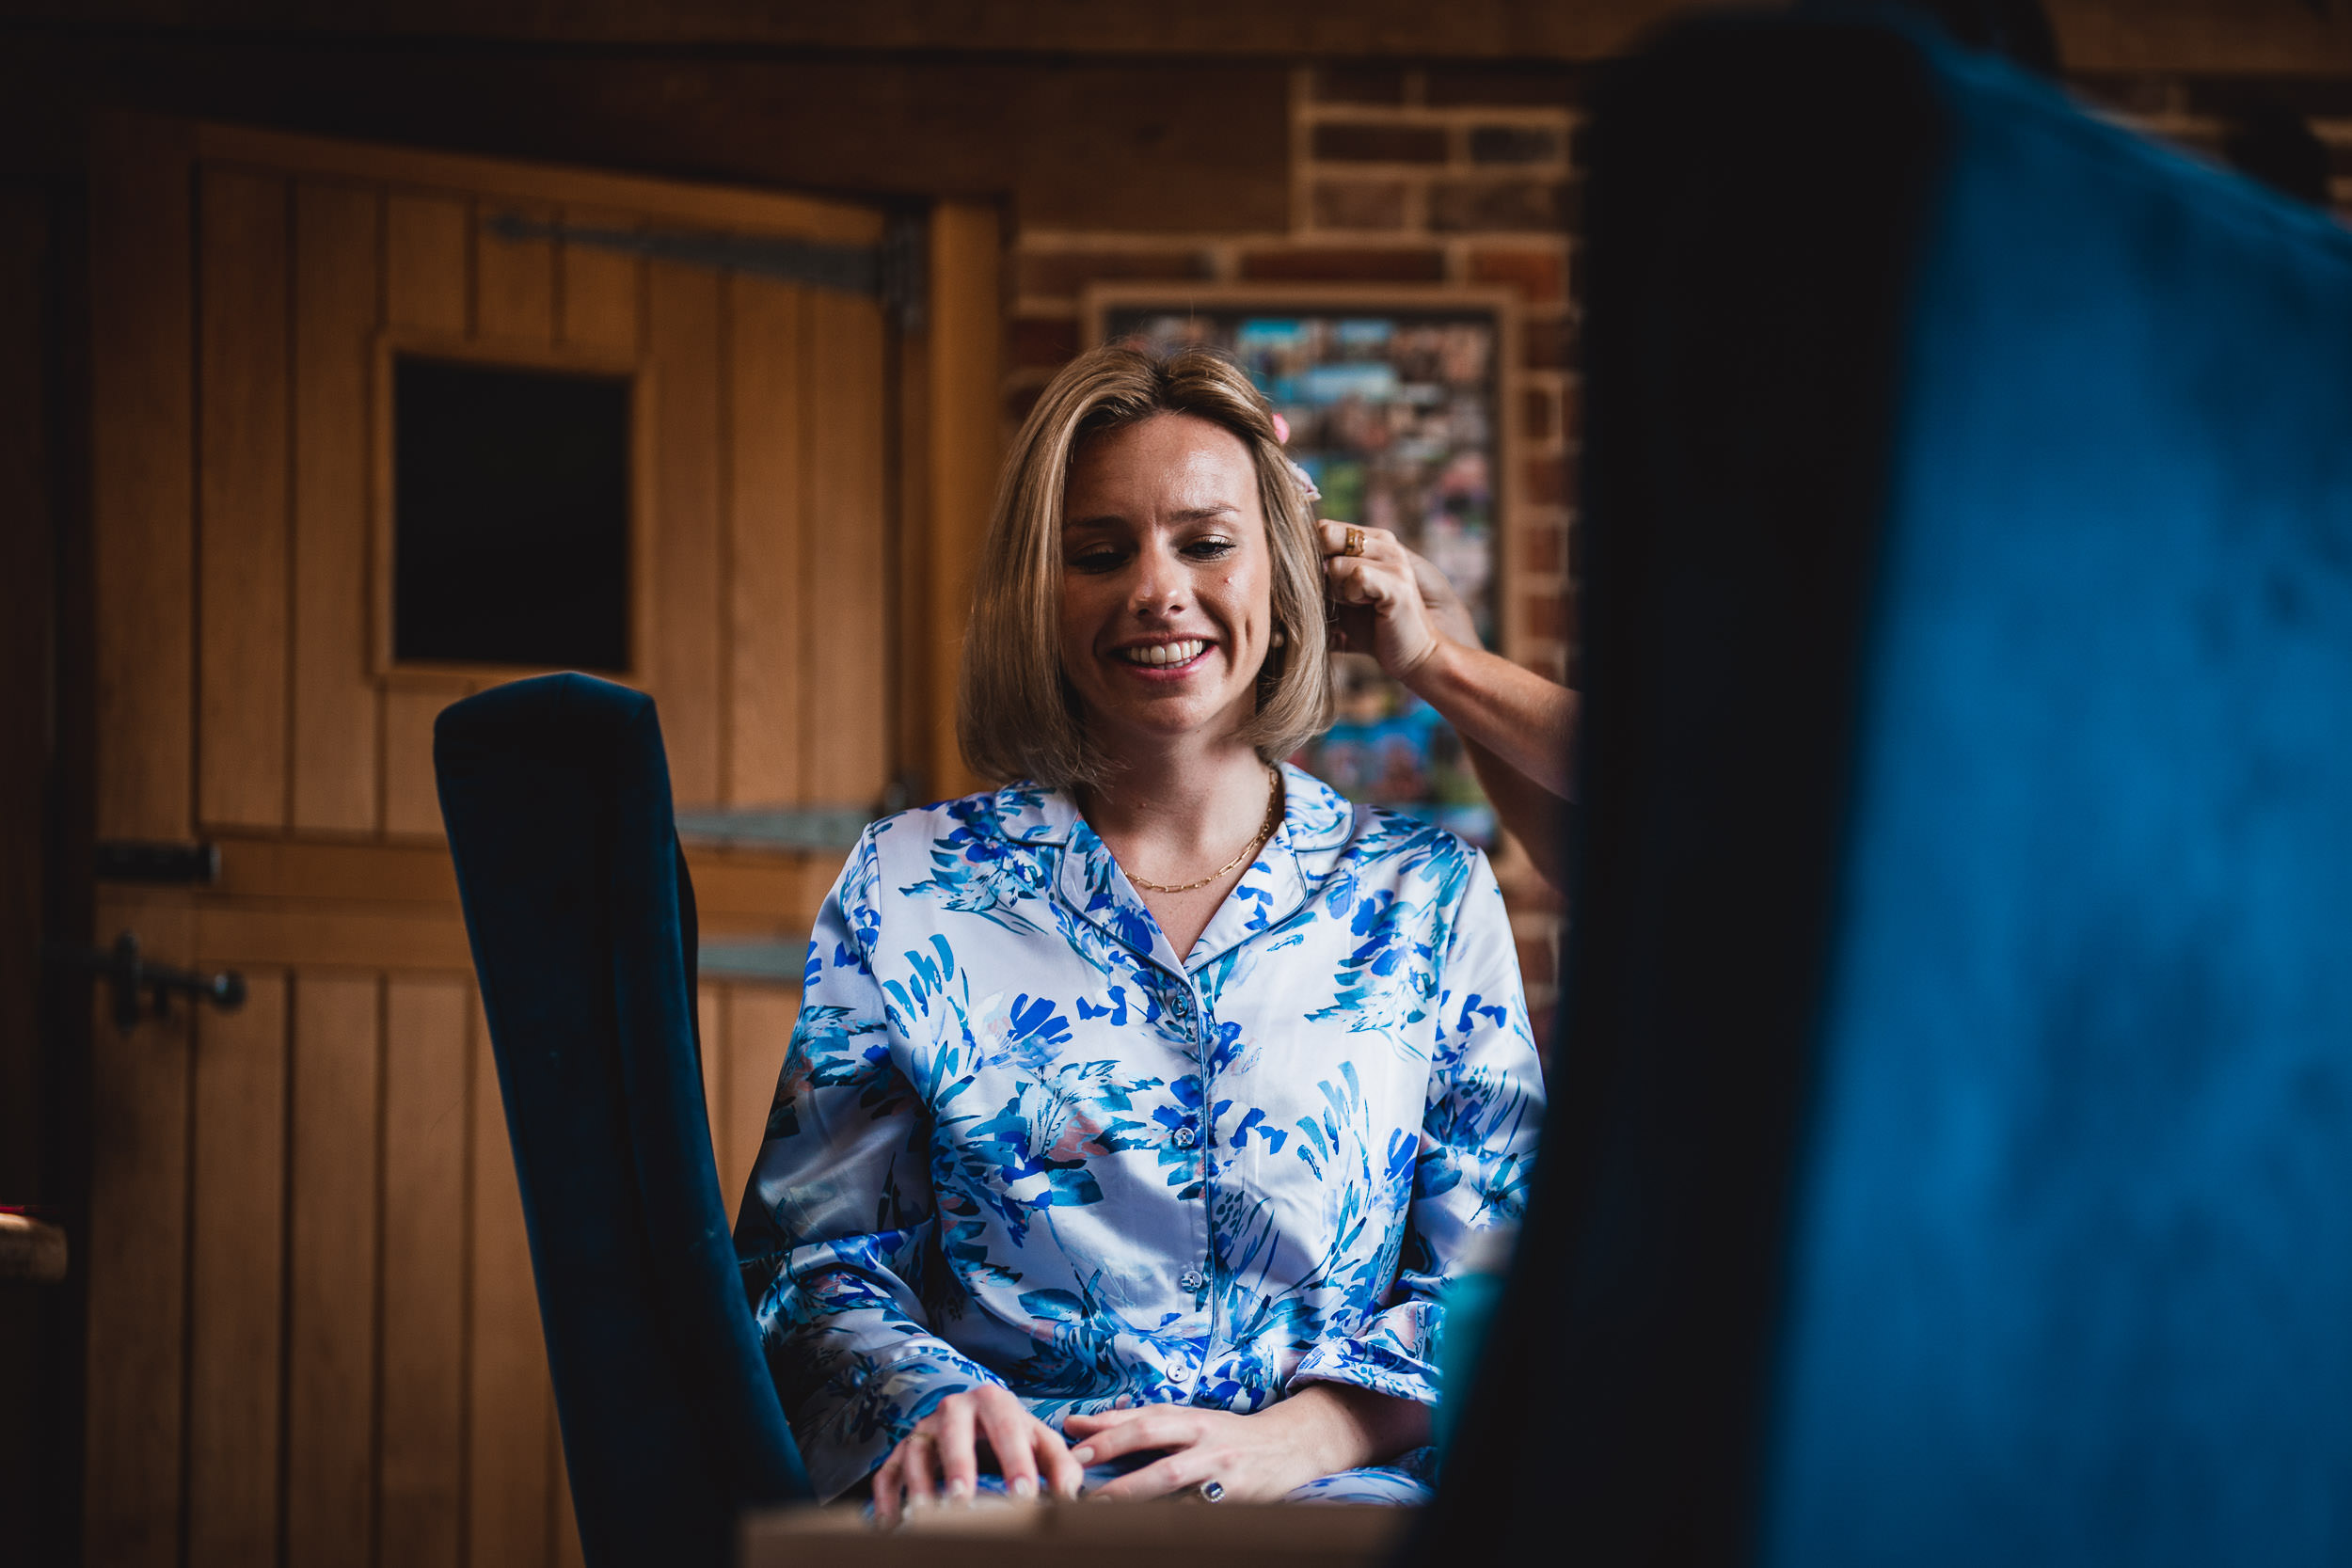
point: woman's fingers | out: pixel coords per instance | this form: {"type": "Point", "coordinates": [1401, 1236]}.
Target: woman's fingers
{"type": "Point", "coordinates": [889, 1490]}
{"type": "Point", "coordinates": [1185, 1468]}
{"type": "Point", "coordinates": [951, 1432]}
{"type": "Point", "coordinates": [1063, 1475]}
{"type": "Point", "coordinates": [1012, 1434]}
{"type": "Point", "coordinates": [916, 1472]}
{"type": "Point", "coordinates": [1150, 1428]}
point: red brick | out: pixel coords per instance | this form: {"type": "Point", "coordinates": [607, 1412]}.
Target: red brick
{"type": "Point", "coordinates": [1355, 143]}
{"type": "Point", "coordinates": [1543, 548]}
{"type": "Point", "coordinates": [1359, 84]}
{"type": "Point", "coordinates": [1571, 411]}
{"type": "Point", "coordinates": [1514, 144]}
{"type": "Point", "coordinates": [1544, 616]}
{"type": "Point", "coordinates": [1360, 204]}
{"type": "Point", "coordinates": [1044, 341]}
{"type": "Point", "coordinates": [1331, 265]}
{"type": "Point", "coordinates": [1461, 206]}
{"type": "Point", "coordinates": [1452, 87]}
{"type": "Point", "coordinates": [1547, 482]}
{"type": "Point", "coordinates": [1060, 274]}
{"type": "Point", "coordinates": [1535, 961]}
{"type": "Point", "coordinates": [1535, 412]}
{"type": "Point", "coordinates": [1551, 343]}
{"type": "Point", "coordinates": [1540, 276]}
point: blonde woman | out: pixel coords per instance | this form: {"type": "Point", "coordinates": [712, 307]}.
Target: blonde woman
{"type": "Point", "coordinates": [1137, 1110]}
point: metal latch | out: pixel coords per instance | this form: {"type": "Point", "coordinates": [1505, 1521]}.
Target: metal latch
{"type": "Point", "coordinates": [127, 975]}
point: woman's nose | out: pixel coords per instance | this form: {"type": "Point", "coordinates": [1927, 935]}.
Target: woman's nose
{"type": "Point", "coordinates": [1159, 586]}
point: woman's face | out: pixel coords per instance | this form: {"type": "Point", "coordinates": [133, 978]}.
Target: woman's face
{"type": "Point", "coordinates": [1167, 583]}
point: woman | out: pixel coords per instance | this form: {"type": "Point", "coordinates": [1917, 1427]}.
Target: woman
{"type": "Point", "coordinates": [1137, 1110]}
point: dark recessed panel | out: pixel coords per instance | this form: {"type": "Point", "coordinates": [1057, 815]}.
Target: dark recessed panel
{"type": "Point", "coordinates": [511, 508]}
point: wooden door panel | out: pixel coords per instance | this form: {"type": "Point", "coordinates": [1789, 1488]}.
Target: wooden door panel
{"type": "Point", "coordinates": [683, 668]}
{"type": "Point", "coordinates": [848, 686]}
{"type": "Point", "coordinates": [424, 262]}
{"type": "Point", "coordinates": [338, 282]}
{"type": "Point", "coordinates": [237, 1219]}
{"type": "Point", "coordinates": [767, 558]}
{"type": "Point", "coordinates": [597, 289]}
{"type": "Point", "coordinates": [333, 1192]}
{"type": "Point", "coordinates": [428, 1147]}
{"type": "Point", "coordinates": [242, 475]}
{"type": "Point", "coordinates": [514, 280]}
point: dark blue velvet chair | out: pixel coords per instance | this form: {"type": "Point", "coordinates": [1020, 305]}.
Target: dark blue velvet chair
{"type": "Point", "coordinates": [1951, 1154]}
{"type": "Point", "coordinates": [556, 796]}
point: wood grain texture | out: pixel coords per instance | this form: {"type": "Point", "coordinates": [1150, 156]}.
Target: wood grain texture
{"type": "Point", "coordinates": [683, 665]}
{"type": "Point", "coordinates": [142, 494]}
{"type": "Point", "coordinates": [237, 1313]}
{"type": "Point", "coordinates": [135, 1259]}
{"type": "Point", "coordinates": [514, 279]}
{"type": "Point", "coordinates": [770, 410]}
{"type": "Point", "coordinates": [241, 498]}
{"type": "Point", "coordinates": [427, 1085]}
{"type": "Point", "coordinates": [508, 1399]}
{"type": "Point", "coordinates": [759, 1027]}
{"type": "Point", "coordinates": [332, 1198]}
{"type": "Point", "coordinates": [965, 376]}
{"type": "Point", "coordinates": [845, 744]}
{"type": "Point", "coordinates": [598, 289]}
{"type": "Point", "coordinates": [425, 252]}
{"type": "Point", "coordinates": [412, 801]}
{"type": "Point", "coordinates": [338, 249]}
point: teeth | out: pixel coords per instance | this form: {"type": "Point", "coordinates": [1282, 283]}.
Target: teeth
{"type": "Point", "coordinates": [1165, 653]}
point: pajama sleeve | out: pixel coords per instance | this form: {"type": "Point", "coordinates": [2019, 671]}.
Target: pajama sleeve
{"type": "Point", "coordinates": [1476, 1153]}
{"type": "Point", "coordinates": [839, 1215]}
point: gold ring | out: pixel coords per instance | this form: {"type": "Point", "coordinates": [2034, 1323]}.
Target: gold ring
{"type": "Point", "coordinates": [1355, 545]}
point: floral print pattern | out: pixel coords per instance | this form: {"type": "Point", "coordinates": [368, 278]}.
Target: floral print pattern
{"type": "Point", "coordinates": [1018, 1139]}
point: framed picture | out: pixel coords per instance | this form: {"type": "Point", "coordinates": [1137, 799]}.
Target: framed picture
{"type": "Point", "coordinates": [1396, 401]}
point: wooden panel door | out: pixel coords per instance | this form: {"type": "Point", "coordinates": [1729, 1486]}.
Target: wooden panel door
{"type": "Point", "coordinates": [312, 1332]}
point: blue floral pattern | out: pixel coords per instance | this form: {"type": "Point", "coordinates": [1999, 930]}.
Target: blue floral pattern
{"type": "Point", "coordinates": [1019, 1140]}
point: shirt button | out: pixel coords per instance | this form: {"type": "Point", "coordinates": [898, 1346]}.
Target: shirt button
{"type": "Point", "coordinates": [1186, 1137]}
{"type": "Point", "coordinates": [1189, 1279]}
{"type": "Point", "coordinates": [1183, 1005]}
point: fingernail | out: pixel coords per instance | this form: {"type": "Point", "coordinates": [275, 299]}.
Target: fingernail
{"type": "Point", "coordinates": [1083, 1455]}
{"type": "Point", "coordinates": [1024, 1487]}
{"type": "Point", "coordinates": [958, 1491]}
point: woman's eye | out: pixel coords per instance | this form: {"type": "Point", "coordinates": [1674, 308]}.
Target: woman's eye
{"type": "Point", "coordinates": [1095, 560]}
{"type": "Point", "coordinates": [1210, 550]}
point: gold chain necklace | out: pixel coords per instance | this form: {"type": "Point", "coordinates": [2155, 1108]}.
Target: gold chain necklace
{"type": "Point", "coordinates": [1265, 831]}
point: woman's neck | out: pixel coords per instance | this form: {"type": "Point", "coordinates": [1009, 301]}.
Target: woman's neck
{"type": "Point", "coordinates": [1170, 807]}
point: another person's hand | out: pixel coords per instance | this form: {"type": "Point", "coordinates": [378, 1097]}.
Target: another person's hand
{"type": "Point", "coordinates": [941, 1457]}
{"type": "Point", "coordinates": [1320, 1431]}
{"type": "Point", "coordinates": [1387, 601]}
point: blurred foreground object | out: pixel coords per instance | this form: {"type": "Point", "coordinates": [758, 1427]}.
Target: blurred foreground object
{"type": "Point", "coordinates": [1158, 1535]}
{"type": "Point", "coordinates": [31, 1250]}
{"type": "Point", "coordinates": [1954, 1103]}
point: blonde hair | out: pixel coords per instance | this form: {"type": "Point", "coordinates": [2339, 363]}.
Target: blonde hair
{"type": "Point", "coordinates": [1017, 714]}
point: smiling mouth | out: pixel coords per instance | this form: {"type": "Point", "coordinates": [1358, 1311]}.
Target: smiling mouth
{"type": "Point", "coordinates": [1163, 656]}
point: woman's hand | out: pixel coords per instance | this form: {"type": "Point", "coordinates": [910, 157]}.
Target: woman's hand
{"type": "Point", "coordinates": [1323, 1428]}
{"type": "Point", "coordinates": [941, 1457]}
{"type": "Point", "coordinates": [1388, 601]}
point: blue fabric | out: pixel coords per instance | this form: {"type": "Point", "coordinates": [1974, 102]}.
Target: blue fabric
{"type": "Point", "coordinates": [556, 798]}
{"type": "Point", "coordinates": [1952, 1125]}
{"type": "Point", "coordinates": [2072, 1278]}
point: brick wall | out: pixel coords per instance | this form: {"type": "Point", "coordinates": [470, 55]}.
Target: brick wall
{"type": "Point", "coordinates": [1403, 177]}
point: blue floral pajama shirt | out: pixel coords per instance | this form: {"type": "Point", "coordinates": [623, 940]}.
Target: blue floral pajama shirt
{"type": "Point", "coordinates": [1019, 1140]}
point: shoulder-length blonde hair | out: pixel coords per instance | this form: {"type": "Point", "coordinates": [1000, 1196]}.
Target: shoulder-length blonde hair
{"type": "Point", "coordinates": [1017, 714]}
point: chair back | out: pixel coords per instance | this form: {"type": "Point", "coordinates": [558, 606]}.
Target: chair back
{"type": "Point", "coordinates": [1951, 1153]}
{"type": "Point", "coordinates": [556, 796]}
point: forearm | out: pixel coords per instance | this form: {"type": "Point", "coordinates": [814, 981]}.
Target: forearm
{"type": "Point", "coordinates": [1339, 1426]}
{"type": "Point", "coordinates": [1526, 722]}
{"type": "Point", "coordinates": [1529, 813]}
